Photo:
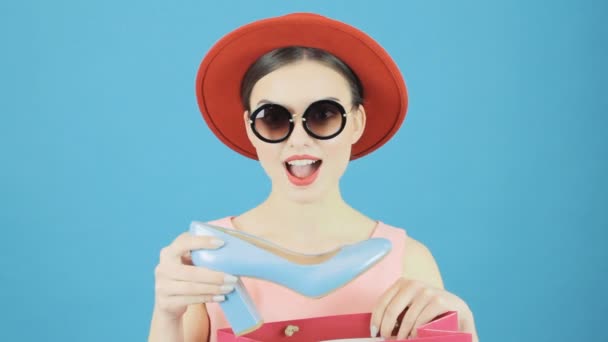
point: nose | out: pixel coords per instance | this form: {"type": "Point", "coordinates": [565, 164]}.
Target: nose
{"type": "Point", "coordinates": [299, 137]}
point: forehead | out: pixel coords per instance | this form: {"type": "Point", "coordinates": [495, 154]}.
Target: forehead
{"type": "Point", "coordinates": [297, 85]}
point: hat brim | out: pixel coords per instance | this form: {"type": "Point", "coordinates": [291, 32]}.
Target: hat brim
{"type": "Point", "coordinates": [218, 82]}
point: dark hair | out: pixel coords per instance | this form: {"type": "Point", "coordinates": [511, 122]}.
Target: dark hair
{"type": "Point", "coordinates": [280, 57]}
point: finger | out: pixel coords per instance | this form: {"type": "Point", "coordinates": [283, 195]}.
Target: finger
{"type": "Point", "coordinates": [401, 300]}
{"type": "Point", "coordinates": [467, 325]}
{"type": "Point", "coordinates": [420, 301]}
{"type": "Point", "coordinates": [194, 274]}
{"type": "Point", "coordinates": [378, 312]}
{"type": "Point", "coordinates": [434, 308]}
{"type": "Point", "coordinates": [186, 242]}
{"type": "Point", "coordinates": [184, 288]}
{"type": "Point", "coordinates": [181, 301]}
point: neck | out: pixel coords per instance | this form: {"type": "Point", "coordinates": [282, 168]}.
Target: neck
{"type": "Point", "coordinates": [326, 215]}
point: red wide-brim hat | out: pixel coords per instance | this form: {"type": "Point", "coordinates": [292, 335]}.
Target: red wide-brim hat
{"type": "Point", "coordinates": [218, 82]}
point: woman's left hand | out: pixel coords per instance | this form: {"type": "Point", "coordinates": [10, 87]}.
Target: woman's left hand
{"type": "Point", "coordinates": [423, 303]}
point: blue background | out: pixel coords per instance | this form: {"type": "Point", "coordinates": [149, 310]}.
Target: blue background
{"type": "Point", "coordinates": [500, 167]}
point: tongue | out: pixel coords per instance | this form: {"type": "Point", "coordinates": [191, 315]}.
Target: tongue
{"type": "Point", "coordinates": [302, 171]}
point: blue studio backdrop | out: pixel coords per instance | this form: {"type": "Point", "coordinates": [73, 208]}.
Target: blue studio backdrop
{"type": "Point", "coordinates": [500, 167]}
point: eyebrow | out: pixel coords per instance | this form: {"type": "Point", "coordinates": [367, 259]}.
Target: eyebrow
{"type": "Point", "coordinates": [264, 101]}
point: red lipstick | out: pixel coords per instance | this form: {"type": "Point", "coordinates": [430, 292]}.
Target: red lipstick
{"type": "Point", "coordinates": [308, 179]}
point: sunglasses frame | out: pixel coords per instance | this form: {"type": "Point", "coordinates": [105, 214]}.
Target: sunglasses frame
{"type": "Point", "coordinates": [255, 113]}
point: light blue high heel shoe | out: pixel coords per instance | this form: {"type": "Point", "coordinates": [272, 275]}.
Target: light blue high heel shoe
{"type": "Point", "coordinates": [312, 275]}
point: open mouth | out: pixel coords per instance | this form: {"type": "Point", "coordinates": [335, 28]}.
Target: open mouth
{"type": "Point", "coordinates": [303, 172]}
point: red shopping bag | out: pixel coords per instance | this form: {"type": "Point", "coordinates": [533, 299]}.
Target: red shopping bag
{"type": "Point", "coordinates": [344, 327]}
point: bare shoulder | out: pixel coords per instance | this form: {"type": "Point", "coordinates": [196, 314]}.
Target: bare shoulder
{"type": "Point", "coordinates": [420, 264]}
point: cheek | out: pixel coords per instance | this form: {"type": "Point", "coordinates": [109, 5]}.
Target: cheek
{"type": "Point", "coordinates": [338, 153]}
{"type": "Point", "coordinates": [269, 156]}
{"type": "Point", "coordinates": [340, 147]}
{"type": "Point", "coordinates": [340, 150]}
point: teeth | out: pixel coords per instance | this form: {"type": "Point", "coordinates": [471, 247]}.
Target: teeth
{"type": "Point", "coordinates": [301, 162]}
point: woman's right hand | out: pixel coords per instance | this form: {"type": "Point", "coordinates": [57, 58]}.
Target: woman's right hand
{"type": "Point", "coordinates": [179, 283]}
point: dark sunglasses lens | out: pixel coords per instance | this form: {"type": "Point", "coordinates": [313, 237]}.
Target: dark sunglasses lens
{"type": "Point", "coordinates": [272, 122]}
{"type": "Point", "coordinates": [324, 118]}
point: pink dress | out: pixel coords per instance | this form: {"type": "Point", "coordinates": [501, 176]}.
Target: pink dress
{"type": "Point", "coordinates": [276, 303]}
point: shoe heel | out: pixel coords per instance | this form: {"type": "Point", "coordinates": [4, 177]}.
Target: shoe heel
{"type": "Point", "coordinates": [240, 310]}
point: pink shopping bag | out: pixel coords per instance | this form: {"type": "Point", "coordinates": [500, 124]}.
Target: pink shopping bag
{"type": "Point", "coordinates": [354, 327]}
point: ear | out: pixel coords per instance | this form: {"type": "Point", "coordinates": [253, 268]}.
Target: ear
{"type": "Point", "coordinates": [248, 126]}
{"type": "Point", "coordinates": [250, 135]}
{"type": "Point", "coordinates": [359, 119]}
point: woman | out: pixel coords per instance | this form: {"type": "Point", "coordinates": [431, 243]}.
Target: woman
{"type": "Point", "coordinates": [346, 98]}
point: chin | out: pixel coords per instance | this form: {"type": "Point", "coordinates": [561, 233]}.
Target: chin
{"type": "Point", "coordinates": [306, 195]}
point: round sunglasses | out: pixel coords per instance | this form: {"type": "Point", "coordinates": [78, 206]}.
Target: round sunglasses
{"type": "Point", "coordinates": [274, 123]}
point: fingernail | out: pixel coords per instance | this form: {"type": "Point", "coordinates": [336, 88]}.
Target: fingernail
{"type": "Point", "coordinates": [219, 298]}
{"type": "Point", "coordinates": [217, 242]}
{"type": "Point", "coordinates": [373, 330]}
{"type": "Point", "coordinates": [226, 288]}
{"type": "Point", "coordinates": [230, 279]}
